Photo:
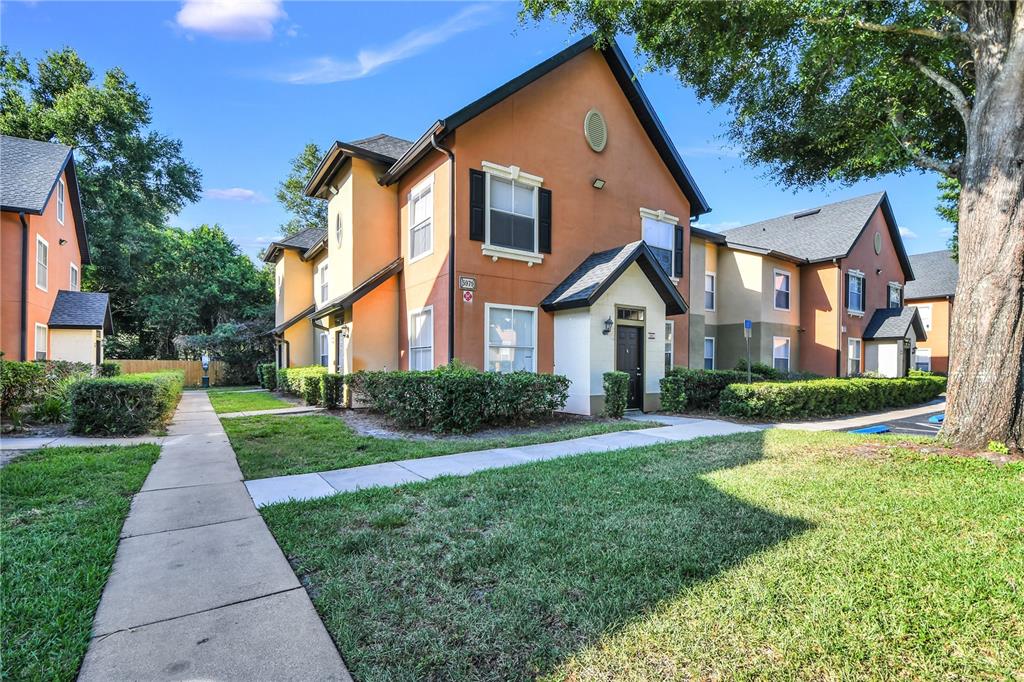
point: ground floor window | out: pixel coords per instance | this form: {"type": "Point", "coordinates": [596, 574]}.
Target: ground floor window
{"type": "Point", "coordinates": [853, 356]}
{"type": "Point", "coordinates": [669, 336]}
{"type": "Point", "coordinates": [324, 349]}
{"type": "Point", "coordinates": [780, 353]}
{"type": "Point", "coordinates": [709, 352]}
{"type": "Point", "coordinates": [923, 359]}
{"type": "Point", "coordinates": [41, 332]}
{"type": "Point", "coordinates": [421, 339]}
{"type": "Point", "coordinates": [511, 338]}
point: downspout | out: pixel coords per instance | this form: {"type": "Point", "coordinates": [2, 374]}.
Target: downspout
{"type": "Point", "coordinates": [24, 286]}
{"type": "Point", "coordinates": [451, 243]}
{"type": "Point", "coordinates": [840, 303]}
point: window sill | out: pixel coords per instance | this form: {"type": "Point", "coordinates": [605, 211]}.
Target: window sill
{"type": "Point", "coordinates": [419, 257]}
{"type": "Point", "coordinates": [855, 313]}
{"type": "Point", "coordinates": [496, 252]}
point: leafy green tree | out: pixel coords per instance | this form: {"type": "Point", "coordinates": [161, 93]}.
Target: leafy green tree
{"type": "Point", "coordinates": [306, 212]}
{"type": "Point", "coordinates": [833, 90]}
{"type": "Point", "coordinates": [131, 178]}
{"type": "Point", "coordinates": [949, 209]}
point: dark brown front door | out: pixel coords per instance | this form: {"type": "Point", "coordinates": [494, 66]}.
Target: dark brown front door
{"type": "Point", "coordinates": [629, 359]}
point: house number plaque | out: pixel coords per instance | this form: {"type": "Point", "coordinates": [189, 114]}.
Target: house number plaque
{"type": "Point", "coordinates": [467, 283]}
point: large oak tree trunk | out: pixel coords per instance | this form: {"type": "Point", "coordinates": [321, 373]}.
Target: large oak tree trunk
{"type": "Point", "coordinates": [986, 379]}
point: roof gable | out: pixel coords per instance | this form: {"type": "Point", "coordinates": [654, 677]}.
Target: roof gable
{"type": "Point", "coordinates": [585, 285]}
{"type": "Point", "coordinates": [936, 275]}
{"type": "Point", "coordinates": [894, 323]}
{"type": "Point", "coordinates": [81, 310]}
{"type": "Point", "coordinates": [306, 242]}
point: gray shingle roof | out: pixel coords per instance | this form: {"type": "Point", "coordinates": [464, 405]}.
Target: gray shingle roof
{"type": "Point", "coordinates": [81, 310]}
{"type": "Point", "coordinates": [894, 323]}
{"type": "Point", "coordinates": [306, 239]}
{"type": "Point", "coordinates": [827, 233]}
{"type": "Point", "coordinates": [28, 172]}
{"type": "Point", "coordinates": [595, 274]}
{"type": "Point", "coordinates": [935, 275]}
{"type": "Point", "coordinates": [385, 144]}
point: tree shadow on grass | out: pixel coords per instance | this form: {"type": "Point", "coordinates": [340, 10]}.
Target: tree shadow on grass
{"type": "Point", "coordinates": [505, 574]}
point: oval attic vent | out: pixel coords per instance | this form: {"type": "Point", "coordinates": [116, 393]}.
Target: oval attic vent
{"type": "Point", "coordinates": [595, 130]}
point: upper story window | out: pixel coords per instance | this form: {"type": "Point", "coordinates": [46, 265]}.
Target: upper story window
{"type": "Point", "coordinates": [925, 311]}
{"type": "Point", "coordinates": [323, 283]}
{"type": "Point", "coordinates": [895, 295]}
{"type": "Point", "coordinates": [338, 228]}
{"type": "Point", "coordinates": [659, 231]}
{"type": "Point", "coordinates": [421, 220]}
{"type": "Point", "coordinates": [512, 214]}
{"type": "Point", "coordinates": [60, 201]}
{"type": "Point", "coordinates": [42, 263]}
{"type": "Point", "coordinates": [510, 211]}
{"type": "Point", "coordinates": [782, 289]}
{"type": "Point", "coordinates": [855, 291]}
{"type": "Point", "coordinates": [73, 283]}
{"type": "Point", "coordinates": [709, 291]}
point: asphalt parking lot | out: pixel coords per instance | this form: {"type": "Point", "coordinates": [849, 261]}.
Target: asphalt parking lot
{"type": "Point", "coordinates": [910, 426]}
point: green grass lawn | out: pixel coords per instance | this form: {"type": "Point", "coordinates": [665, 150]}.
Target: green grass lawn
{"type": "Point", "coordinates": [62, 513]}
{"type": "Point", "coordinates": [225, 401]}
{"type": "Point", "coordinates": [275, 446]}
{"type": "Point", "coordinates": [774, 555]}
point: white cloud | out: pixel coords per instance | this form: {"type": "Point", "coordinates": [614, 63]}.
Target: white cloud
{"type": "Point", "coordinates": [234, 194]}
{"type": "Point", "coordinates": [231, 19]}
{"type": "Point", "coordinates": [330, 70]}
{"type": "Point", "coordinates": [717, 227]}
{"type": "Point", "coordinates": [907, 233]}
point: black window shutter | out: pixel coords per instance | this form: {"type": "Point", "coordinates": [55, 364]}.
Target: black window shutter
{"type": "Point", "coordinates": [476, 204]}
{"type": "Point", "coordinates": [677, 259]}
{"type": "Point", "coordinates": [846, 298]}
{"type": "Point", "coordinates": [544, 221]}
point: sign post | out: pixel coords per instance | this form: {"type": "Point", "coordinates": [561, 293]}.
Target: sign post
{"type": "Point", "coordinates": [747, 327]}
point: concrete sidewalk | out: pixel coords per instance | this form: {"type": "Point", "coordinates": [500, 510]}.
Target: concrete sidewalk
{"type": "Point", "coordinates": [311, 486]}
{"type": "Point", "coordinates": [200, 589]}
{"type": "Point", "coordinates": [37, 442]}
{"type": "Point", "coordinates": [299, 409]}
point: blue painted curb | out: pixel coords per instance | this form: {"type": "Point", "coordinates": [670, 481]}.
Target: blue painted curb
{"type": "Point", "coordinates": [936, 418]}
{"type": "Point", "coordinates": [881, 428]}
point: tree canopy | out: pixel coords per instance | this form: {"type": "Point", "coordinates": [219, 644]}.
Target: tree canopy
{"type": "Point", "coordinates": [305, 212]}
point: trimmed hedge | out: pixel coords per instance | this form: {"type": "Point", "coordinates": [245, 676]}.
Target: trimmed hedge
{"type": "Point", "coordinates": [109, 369]}
{"type": "Point", "coordinates": [267, 374]}
{"type": "Point", "coordinates": [616, 386]}
{"type": "Point", "coordinates": [21, 383]}
{"type": "Point", "coordinates": [125, 405]}
{"type": "Point", "coordinates": [697, 389]}
{"type": "Point", "coordinates": [290, 379]}
{"type": "Point", "coordinates": [458, 398]}
{"type": "Point", "coordinates": [332, 390]}
{"type": "Point", "coordinates": [826, 397]}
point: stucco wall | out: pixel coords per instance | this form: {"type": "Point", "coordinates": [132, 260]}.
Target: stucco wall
{"type": "Point", "coordinates": [74, 345]}
{"type": "Point", "coordinates": [820, 300]}
{"type": "Point", "coordinates": [572, 357]}
{"type": "Point", "coordinates": [938, 335]}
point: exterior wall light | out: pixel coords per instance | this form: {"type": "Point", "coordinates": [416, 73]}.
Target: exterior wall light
{"type": "Point", "coordinates": [608, 324]}
{"type": "Point", "coordinates": [598, 183]}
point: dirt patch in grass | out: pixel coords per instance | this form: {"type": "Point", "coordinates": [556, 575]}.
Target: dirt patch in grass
{"type": "Point", "coordinates": [929, 447]}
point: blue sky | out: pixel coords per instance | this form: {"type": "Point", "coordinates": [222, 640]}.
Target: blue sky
{"type": "Point", "coordinates": [245, 85]}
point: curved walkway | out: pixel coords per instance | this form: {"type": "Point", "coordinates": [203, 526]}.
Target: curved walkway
{"type": "Point", "coordinates": [200, 589]}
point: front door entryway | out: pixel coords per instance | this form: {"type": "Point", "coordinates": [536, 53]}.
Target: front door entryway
{"type": "Point", "coordinates": [629, 359]}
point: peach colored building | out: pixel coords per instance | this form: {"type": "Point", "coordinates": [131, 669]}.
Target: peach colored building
{"type": "Point", "coordinates": [44, 246]}
{"type": "Point", "coordinates": [932, 294]}
{"type": "Point", "coordinates": [543, 227]}
{"type": "Point", "coordinates": [822, 289]}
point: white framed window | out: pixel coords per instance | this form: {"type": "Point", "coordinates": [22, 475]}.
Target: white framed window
{"type": "Point", "coordinates": [73, 283]}
{"type": "Point", "coordinates": [780, 353]}
{"type": "Point", "coordinates": [324, 289]}
{"type": "Point", "coordinates": [855, 292]}
{"type": "Point", "coordinates": [670, 328]}
{"type": "Point", "coordinates": [421, 220]}
{"type": "Point", "coordinates": [511, 222]}
{"type": "Point", "coordinates": [709, 352]}
{"type": "Point", "coordinates": [324, 345]}
{"type": "Point", "coordinates": [421, 338]}
{"type": "Point", "coordinates": [783, 280]}
{"type": "Point", "coordinates": [923, 359]}
{"type": "Point", "coordinates": [60, 201]}
{"type": "Point", "coordinates": [709, 291]}
{"type": "Point", "coordinates": [339, 228]}
{"type": "Point", "coordinates": [42, 263]}
{"type": "Point", "coordinates": [853, 348]}
{"type": "Point", "coordinates": [895, 295]}
{"type": "Point", "coordinates": [925, 311]}
{"type": "Point", "coordinates": [41, 334]}
{"type": "Point", "coordinates": [659, 232]}
{"type": "Point", "coordinates": [511, 337]}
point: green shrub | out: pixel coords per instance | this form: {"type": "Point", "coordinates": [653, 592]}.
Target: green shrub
{"type": "Point", "coordinates": [700, 388]}
{"type": "Point", "coordinates": [458, 398]}
{"type": "Point", "coordinates": [616, 390]}
{"type": "Point", "coordinates": [109, 369]}
{"type": "Point", "coordinates": [21, 383]}
{"type": "Point", "coordinates": [825, 397]}
{"type": "Point", "coordinates": [311, 388]}
{"type": "Point", "coordinates": [55, 406]}
{"type": "Point", "coordinates": [998, 447]}
{"type": "Point", "coordinates": [332, 388]}
{"type": "Point", "coordinates": [267, 372]}
{"type": "Point", "coordinates": [290, 379]}
{"type": "Point", "coordinates": [759, 369]}
{"type": "Point", "coordinates": [124, 405]}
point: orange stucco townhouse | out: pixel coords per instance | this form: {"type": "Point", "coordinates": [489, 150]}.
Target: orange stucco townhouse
{"type": "Point", "coordinates": [932, 293]}
{"type": "Point", "coordinates": [43, 312]}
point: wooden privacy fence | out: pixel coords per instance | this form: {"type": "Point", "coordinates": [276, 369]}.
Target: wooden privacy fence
{"type": "Point", "coordinates": [193, 369]}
